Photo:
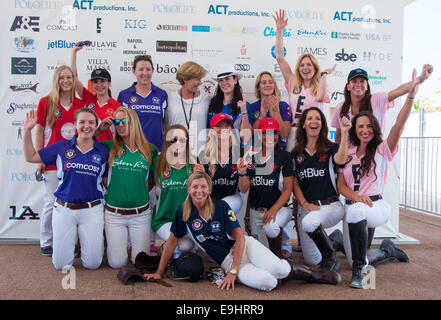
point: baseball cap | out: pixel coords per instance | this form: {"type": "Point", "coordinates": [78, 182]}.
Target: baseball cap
{"type": "Point", "coordinates": [218, 118]}
{"type": "Point", "coordinates": [268, 124]}
{"type": "Point", "coordinates": [100, 74]}
{"type": "Point", "coordinates": [226, 70]}
{"type": "Point", "coordinates": [357, 72]}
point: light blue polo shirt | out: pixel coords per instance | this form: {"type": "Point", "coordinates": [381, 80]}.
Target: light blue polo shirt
{"type": "Point", "coordinates": [150, 110]}
{"type": "Point", "coordinates": [79, 174]}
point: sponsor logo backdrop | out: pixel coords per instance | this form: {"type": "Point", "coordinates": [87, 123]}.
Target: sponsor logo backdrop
{"type": "Point", "coordinates": [39, 34]}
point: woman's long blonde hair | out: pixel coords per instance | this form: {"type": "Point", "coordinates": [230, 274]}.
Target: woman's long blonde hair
{"type": "Point", "coordinates": [53, 97]}
{"type": "Point", "coordinates": [211, 150]}
{"type": "Point", "coordinates": [188, 203]}
{"type": "Point", "coordinates": [136, 137]}
{"type": "Point", "coordinates": [298, 77]}
{"type": "Point", "coordinates": [163, 165]}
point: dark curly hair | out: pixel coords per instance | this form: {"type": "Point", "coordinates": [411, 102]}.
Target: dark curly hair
{"type": "Point", "coordinates": [371, 149]}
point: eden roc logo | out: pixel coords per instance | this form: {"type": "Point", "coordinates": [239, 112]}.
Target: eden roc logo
{"type": "Point", "coordinates": [343, 56]}
{"type": "Point", "coordinates": [26, 23]}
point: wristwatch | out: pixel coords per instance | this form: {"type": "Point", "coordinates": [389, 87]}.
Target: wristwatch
{"type": "Point", "coordinates": [233, 272]}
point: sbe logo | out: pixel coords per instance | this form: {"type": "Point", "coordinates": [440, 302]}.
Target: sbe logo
{"type": "Point", "coordinates": [26, 23]}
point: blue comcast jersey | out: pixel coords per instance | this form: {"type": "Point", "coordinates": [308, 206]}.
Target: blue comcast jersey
{"type": "Point", "coordinates": [79, 174]}
{"type": "Point", "coordinates": [211, 236]}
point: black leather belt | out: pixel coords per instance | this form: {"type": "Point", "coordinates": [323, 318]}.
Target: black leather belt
{"type": "Point", "coordinates": [77, 206]}
{"type": "Point", "coordinates": [324, 202]}
{"type": "Point", "coordinates": [126, 211]}
{"type": "Point", "coordinates": [373, 198]}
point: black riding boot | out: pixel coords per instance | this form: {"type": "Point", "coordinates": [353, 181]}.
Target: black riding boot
{"type": "Point", "coordinates": [371, 232]}
{"type": "Point", "coordinates": [321, 240]}
{"type": "Point", "coordinates": [359, 242]}
{"type": "Point", "coordinates": [336, 238]}
{"type": "Point", "coordinates": [386, 252]}
{"type": "Point", "coordinates": [300, 272]}
{"type": "Point", "coordinates": [275, 244]}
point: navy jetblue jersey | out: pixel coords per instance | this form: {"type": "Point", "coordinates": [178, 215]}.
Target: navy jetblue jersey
{"type": "Point", "coordinates": [211, 236]}
{"type": "Point", "coordinates": [79, 173]}
{"type": "Point", "coordinates": [316, 175]}
{"type": "Point", "coordinates": [225, 179]}
{"type": "Point", "coordinates": [266, 189]}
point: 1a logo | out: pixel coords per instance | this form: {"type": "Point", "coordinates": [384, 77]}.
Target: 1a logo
{"type": "Point", "coordinates": [27, 212]}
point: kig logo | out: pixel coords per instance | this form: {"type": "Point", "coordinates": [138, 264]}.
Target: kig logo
{"type": "Point", "coordinates": [26, 23]}
{"type": "Point", "coordinates": [135, 24]}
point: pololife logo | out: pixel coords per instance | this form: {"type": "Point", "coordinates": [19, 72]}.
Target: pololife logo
{"type": "Point", "coordinates": [26, 23]}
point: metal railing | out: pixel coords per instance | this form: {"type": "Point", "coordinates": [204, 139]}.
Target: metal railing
{"type": "Point", "coordinates": [420, 183]}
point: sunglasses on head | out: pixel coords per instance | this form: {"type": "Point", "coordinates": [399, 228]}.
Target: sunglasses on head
{"type": "Point", "coordinates": [181, 140]}
{"type": "Point", "coordinates": [275, 132]}
{"type": "Point", "coordinates": [116, 122]}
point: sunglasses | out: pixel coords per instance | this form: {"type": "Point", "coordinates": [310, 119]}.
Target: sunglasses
{"type": "Point", "coordinates": [181, 140]}
{"type": "Point", "coordinates": [275, 132]}
{"type": "Point", "coordinates": [116, 122]}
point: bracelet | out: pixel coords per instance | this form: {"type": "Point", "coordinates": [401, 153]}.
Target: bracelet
{"type": "Point", "coordinates": [241, 174]}
{"type": "Point", "coordinates": [303, 203]}
{"type": "Point", "coordinates": [246, 218]}
{"type": "Point", "coordinates": [244, 113]}
{"type": "Point", "coordinates": [410, 98]}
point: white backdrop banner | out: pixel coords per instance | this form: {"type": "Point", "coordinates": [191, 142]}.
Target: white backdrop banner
{"type": "Point", "coordinates": [38, 36]}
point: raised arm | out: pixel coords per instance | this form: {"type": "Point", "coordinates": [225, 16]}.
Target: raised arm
{"type": "Point", "coordinates": [73, 64]}
{"type": "Point", "coordinates": [30, 154]}
{"type": "Point", "coordinates": [403, 115]}
{"type": "Point", "coordinates": [404, 88]}
{"type": "Point", "coordinates": [322, 86]}
{"type": "Point", "coordinates": [169, 248]}
{"type": "Point", "coordinates": [341, 156]}
{"type": "Point", "coordinates": [281, 23]}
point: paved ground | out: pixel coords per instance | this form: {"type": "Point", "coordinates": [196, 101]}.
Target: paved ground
{"type": "Point", "coordinates": [28, 275]}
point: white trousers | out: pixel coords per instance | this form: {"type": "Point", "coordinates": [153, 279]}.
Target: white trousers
{"type": "Point", "coordinates": [259, 267]}
{"type": "Point", "coordinates": [119, 229]}
{"type": "Point", "coordinates": [376, 216]}
{"type": "Point", "coordinates": [50, 186]}
{"type": "Point", "coordinates": [327, 216]}
{"type": "Point", "coordinates": [260, 231]}
{"type": "Point", "coordinates": [184, 244]}
{"type": "Point", "coordinates": [88, 225]}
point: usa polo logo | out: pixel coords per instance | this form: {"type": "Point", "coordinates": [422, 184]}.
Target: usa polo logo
{"type": "Point", "coordinates": [70, 154]}
{"type": "Point", "coordinates": [300, 159]}
{"type": "Point", "coordinates": [322, 158]}
{"type": "Point", "coordinates": [197, 224]}
{"type": "Point", "coordinates": [167, 174]}
{"type": "Point", "coordinates": [58, 112]}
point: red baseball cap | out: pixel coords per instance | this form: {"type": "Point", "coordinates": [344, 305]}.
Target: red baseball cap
{"type": "Point", "coordinates": [268, 124]}
{"type": "Point", "coordinates": [218, 118]}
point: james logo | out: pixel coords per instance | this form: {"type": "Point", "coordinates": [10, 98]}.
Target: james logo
{"type": "Point", "coordinates": [197, 224]}
{"type": "Point", "coordinates": [70, 154]}
{"type": "Point", "coordinates": [133, 99]}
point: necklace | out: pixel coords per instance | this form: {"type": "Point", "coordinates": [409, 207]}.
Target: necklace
{"type": "Point", "coordinates": [187, 121]}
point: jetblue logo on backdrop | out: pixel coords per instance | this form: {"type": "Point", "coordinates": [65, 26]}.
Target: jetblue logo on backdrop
{"type": "Point", "coordinates": [59, 44]}
{"type": "Point", "coordinates": [200, 28]}
{"type": "Point", "coordinates": [26, 23]}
